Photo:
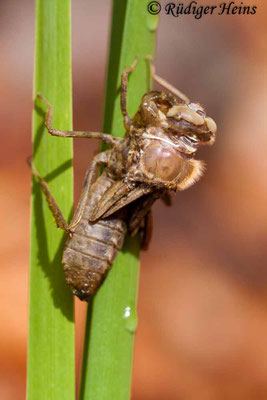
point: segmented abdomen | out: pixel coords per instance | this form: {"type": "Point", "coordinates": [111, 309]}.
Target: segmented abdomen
{"type": "Point", "coordinates": [90, 252]}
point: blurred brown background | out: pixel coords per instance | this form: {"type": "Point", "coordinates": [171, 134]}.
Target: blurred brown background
{"type": "Point", "coordinates": [202, 331]}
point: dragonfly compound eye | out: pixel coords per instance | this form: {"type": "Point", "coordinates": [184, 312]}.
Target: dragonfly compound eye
{"type": "Point", "coordinates": [211, 124]}
{"type": "Point", "coordinates": [184, 112]}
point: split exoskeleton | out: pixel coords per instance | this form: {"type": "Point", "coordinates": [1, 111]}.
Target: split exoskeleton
{"type": "Point", "coordinates": [156, 156]}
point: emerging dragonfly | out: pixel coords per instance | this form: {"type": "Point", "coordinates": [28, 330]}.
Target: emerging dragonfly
{"type": "Point", "coordinates": [156, 156]}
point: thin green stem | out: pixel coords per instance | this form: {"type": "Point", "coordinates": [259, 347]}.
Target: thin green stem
{"type": "Point", "coordinates": [51, 325]}
{"type": "Point", "coordinates": [112, 316]}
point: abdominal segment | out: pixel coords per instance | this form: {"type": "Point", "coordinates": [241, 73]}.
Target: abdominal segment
{"type": "Point", "coordinates": [90, 253]}
{"type": "Point", "coordinates": [92, 248]}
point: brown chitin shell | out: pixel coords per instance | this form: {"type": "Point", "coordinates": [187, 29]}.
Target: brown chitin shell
{"type": "Point", "coordinates": [162, 162]}
{"type": "Point", "coordinates": [92, 248]}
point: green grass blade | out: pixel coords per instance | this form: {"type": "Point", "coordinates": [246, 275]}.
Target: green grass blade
{"type": "Point", "coordinates": [112, 317]}
{"type": "Point", "coordinates": [51, 325]}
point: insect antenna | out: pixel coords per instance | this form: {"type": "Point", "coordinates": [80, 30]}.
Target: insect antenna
{"type": "Point", "coordinates": [164, 83]}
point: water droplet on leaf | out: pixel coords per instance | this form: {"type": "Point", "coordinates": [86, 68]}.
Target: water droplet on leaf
{"type": "Point", "coordinates": [130, 318]}
{"type": "Point", "coordinates": [152, 22]}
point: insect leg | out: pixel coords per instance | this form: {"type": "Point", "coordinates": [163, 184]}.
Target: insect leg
{"type": "Point", "coordinates": [124, 85]}
{"type": "Point", "coordinates": [165, 84]}
{"type": "Point", "coordinates": [138, 214]}
{"type": "Point", "coordinates": [107, 138]}
{"type": "Point", "coordinates": [99, 159]}
{"type": "Point", "coordinates": [146, 231]}
{"type": "Point", "coordinates": [54, 208]}
{"type": "Point", "coordinates": [141, 219]}
{"type": "Point", "coordinates": [141, 222]}
{"type": "Point", "coordinates": [166, 198]}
